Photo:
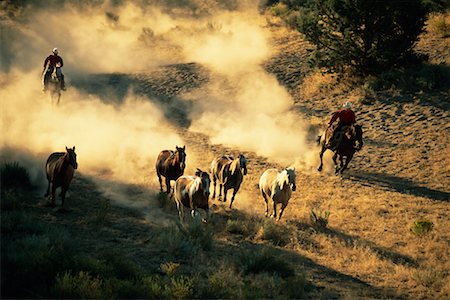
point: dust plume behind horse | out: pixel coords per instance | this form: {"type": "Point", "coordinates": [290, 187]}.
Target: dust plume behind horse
{"type": "Point", "coordinates": [170, 164]}
{"type": "Point", "coordinates": [59, 168]}
{"type": "Point", "coordinates": [349, 140]}
{"type": "Point", "coordinates": [229, 172]}
{"type": "Point", "coordinates": [277, 187]}
{"type": "Point", "coordinates": [192, 192]}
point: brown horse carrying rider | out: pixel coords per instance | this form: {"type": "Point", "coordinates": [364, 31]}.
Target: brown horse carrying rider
{"type": "Point", "coordinates": [346, 117]}
{"type": "Point", "coordinates": [52, 61]}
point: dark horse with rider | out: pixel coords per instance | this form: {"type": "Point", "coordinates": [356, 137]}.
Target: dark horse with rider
{"type": "Point", "coordinates": [344, 138]}
{"type": "Point", "coordinates": [53, 78]}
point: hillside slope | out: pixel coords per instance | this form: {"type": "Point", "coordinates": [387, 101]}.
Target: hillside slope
{"type": "Point", "coordinates": [401, 175]}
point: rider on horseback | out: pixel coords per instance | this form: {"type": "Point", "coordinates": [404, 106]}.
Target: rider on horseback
{"type": "Point", "coordinates": [346, 117]}
{"type": "Point", "coordinates": [51, 62]}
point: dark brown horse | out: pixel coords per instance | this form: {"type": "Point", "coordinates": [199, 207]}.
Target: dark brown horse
{"type": "Point", "coordinates": [60, 167]}
{"type": "Point", "coordinates": [229, 172]}
{"type": "Point", "coordinates": [351, 140]}
{"type": "Point", "coordinates": [170, 164]}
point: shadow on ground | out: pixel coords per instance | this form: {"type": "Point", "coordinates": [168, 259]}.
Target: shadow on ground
{"type": "Point", "coordinates": [399, 184]}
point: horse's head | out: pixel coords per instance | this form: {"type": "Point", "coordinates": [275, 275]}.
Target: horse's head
{"type": "Point", "coordinates": [205, 181]}
{"type": "Point", "coordinates": [287, 176]}
{"type": "Point", "coordinates": [243, 163]}
{"type": "Point", "coordinates": [72, 157]}
{"type": "Point", "coordinates": [180, 156]}
{"type": "Point", "coordinates": [292, 178]}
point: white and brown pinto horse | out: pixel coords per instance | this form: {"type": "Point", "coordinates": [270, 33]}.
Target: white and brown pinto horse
{"type": "Point", "coordinates": [277, 186]}
{"type": "Point", "coordinates": [229, 172]}
{"type": "Point", "coordinates": [192, 192]}
{"type": "Point", "coordinates": [170, 164]}
{"type": "Point", "coordinates": [59, 168]}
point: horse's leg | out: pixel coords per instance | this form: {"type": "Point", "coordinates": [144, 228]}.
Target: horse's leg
{"type": "Point", "coordinates": [220, 190]}
{"type": "Point", "coordinates": [63, 197]}
{"type": "Point", "coordinates": [53, 194]}
{"type": "Point", "coordinates": [48, 189]}
{"type": "Point", "coordinates": [283, 206]}
{"type": "Point", "coordinates": [341, 165]}
{"type": "Point", "coordinates": [336, 168]}
{"type": "Point", "coordinates": [267, 203]}
{"type": "Point", "coordinates": [235, 190]}
{"type": "Point", "coordinates": [225, 192]}
{"type": "Point", "coordinates": [160, 182]}
{"type": "Point", "coordinates": [322, 151]}
{"type": "Point", "coordinates": [180, 211]}
{"type": "Point", "coordinates": [274, 214]}
{"type": "Point", "coordinates": [347, 160]}
{"type": "Point", "coordinates": [214, 182]}
{"type": "Point", "coordinates": [168, 185]}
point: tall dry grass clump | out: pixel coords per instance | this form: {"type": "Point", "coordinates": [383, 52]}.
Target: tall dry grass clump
{"type": "Point", "coordinates": [439, 24]}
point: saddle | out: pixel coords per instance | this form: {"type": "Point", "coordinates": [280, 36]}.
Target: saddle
{"type": "Point", "coordinates": [335, 134]}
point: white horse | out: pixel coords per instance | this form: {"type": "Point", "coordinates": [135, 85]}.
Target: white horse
{"type": "Point", "coordinates": [229, 172]}
{"type": "Point", "coordinates": [277, 186]}
{"type": "Point", "coordinates": [192, 192]}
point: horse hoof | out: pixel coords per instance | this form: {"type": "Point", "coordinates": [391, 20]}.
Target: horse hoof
{"type": "Point", "coordinates": [63, 210]}
{"type": "Point", "coordinates": [319, 169]}
{"type": "Point", "coordinates": [49, 204]}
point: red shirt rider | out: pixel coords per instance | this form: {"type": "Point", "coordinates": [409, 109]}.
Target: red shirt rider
{"type": "Point", "coordinates": [345, 115]}
{"type": "Point", "coordinates": [53, 59]}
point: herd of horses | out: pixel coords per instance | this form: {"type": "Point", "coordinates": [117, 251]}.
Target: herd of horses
{"type": "Point", "coordinates": [193, 191]}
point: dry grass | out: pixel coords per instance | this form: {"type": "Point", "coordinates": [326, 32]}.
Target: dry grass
{"type": "Point", "coordinates": [439, 25]}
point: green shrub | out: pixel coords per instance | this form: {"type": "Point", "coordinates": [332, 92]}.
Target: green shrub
{"type": "Point", "coordinates": [429, 277]}
{"type": "Point", "coordinates": [421, 227]}
{"type": "Point", "coordinates": [10, 200]}
{"type": "Point", "coordinates": [236, 227]}
{"type": "Point", "coordinates": [199, 234]}
{"type": "Point", "coordinates": [154, 287]}
{"type": "Point", "coordinates": [79, 286]}
{"type": "Point", "coordinates": [225, 283]}
{"type": "Point", "coordinates": [175, 242]}
{"type": "Point", "coordinates": [169, 268]}
{"type": "Point", "coordinates": [182, 287]}
{"type": "Point", "coordinates": [276, 233]}
{"type": "Point", "coordinates": [349, 34]}
{"type": "Point", "coordinates": [319, 219]}
{"type": "Point", "coordinates": [265, 260]}
{"type": "Point", "coordinates": [13, 176]}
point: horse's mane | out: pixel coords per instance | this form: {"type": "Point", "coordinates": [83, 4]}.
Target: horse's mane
{"type": "Point", "coordinates": [235, 165]}
{"type": "Point", "coordinates": [195, 185]}
{"type": "Point", "coordinates": [283, 178]}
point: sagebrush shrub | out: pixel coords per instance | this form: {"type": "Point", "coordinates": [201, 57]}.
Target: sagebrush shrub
{"type": "Point", "coordinates": [13, 175]}
{"type": "Point", "coordinates": [274, 232]}
{"type": "Point", "coordinates": [319, 219]}
{"type": "Point", "coordinates": [421, 227]}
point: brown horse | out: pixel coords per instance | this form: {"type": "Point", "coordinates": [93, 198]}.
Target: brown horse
{"type": "Point", "coordinates": [192, 192]}
{"type": "Point", "coordinates": [60, 167]}
{"type": "Point", "coordinates": [351, 140]}
{"type": "Point", "coordinates": [229, 172]}
{"type": "Point", "coordinates": [171, 165]}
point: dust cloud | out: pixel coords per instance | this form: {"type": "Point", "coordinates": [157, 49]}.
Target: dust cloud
{"type": "Point", "coordinates": [241, 106]}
